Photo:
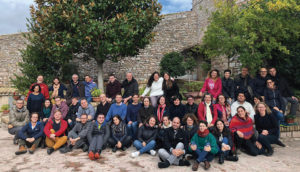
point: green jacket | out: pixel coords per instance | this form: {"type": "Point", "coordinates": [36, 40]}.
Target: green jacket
{"type": "Point", "coordinates": [18, 117]}
{"type": "Point", "coordinates": [202, 141]}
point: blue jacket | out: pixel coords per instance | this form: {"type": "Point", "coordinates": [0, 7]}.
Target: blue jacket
{"type": "Point", "coordinates": [28, 132]}
{"type": "Point", "coordinates": [116, 110]}
{"type": "Point", "coordinates": [88, 87]}
{"type": "Point", "coordinates": [273, 98]}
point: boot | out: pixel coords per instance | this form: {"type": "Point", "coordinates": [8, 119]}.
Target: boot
{"type": "Point", "coordinates": [97, 154]}
{"type": "Point", "coordinates": [184, 162]}
{"type": "Point", "coordinates": [206, 165]}
{"type": "Point", "coordinates": [232, 158]}
{"type": "Point", "coordinates": [221, 158]}
{"type": "Point", "coordinates": [92, 155]}
{"type": "Point", "coordinates": [32, 149]}
{"type": "Point", "coordinates": [21, 150]}
{"type": "Point", "coordinates": [195, 166]}
{"type": "Point", "coordinates": [164, 164]}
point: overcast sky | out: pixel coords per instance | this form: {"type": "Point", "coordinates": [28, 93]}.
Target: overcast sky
{"type": "Point", "coordinates": [13, 13]}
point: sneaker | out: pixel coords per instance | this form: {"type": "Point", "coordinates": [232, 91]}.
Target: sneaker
{"type": "Point", "coordinates": [135, 154]}
{"type": "Point", "coordinates": [164, 164]}
{"type": "Point", "coordinates": [124, 148]}
{"type": "Point", "coordinates": [114, 149]}
{"type": "Point", "coordinates": [92, 155]}
{"type": "Point", "coordinates": [50, 151]}
{"type": "Point", "coordinates": [232, 158]}
{"type": "Point", "coordinates": [97, 155]}
{"type": "Point", "coordinates": [280, 143]}
{"type": "Point", "coordinates": [152, 152]}
{"type": "Point", "coordinates": [85, 148]}
{"type": "Point", "coordinates": [66, 149]}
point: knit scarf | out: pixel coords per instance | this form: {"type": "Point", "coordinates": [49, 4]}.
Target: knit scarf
{"type": "Point", "coordinates": [160, 114]}
{"type": "Point", "coordinates": [203, 134]}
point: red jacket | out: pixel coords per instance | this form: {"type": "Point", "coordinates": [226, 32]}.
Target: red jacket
{"type": "Point", "coordinates": [60, 132]}
{"type": "Point", "coordinates": [44, 90]}
{"type": "Point", "coordinates": [202, 112]}
{"type": "Point", "coordinates": [217, 87]}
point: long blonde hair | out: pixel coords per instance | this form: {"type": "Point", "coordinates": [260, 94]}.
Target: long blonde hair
{"type": "Point", "coordinates": [268, 110]}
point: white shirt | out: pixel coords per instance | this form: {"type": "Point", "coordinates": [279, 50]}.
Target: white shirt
{"type": "Point", "coordinates": [246, 105]}
{"type": "Point", "coordinates": [155, 89]}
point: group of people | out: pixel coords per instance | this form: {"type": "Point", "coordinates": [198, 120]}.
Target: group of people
{"type": "Point", "coordinates": [243, 113]}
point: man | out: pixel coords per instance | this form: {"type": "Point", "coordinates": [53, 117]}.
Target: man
{"type": "Point", "coordinates": [117, 108]}
{"type": "Point", "coordinates": [71, 116]}
{"type": "Point", "coordinates": [89, 86]}
{"type": "Point", "coordinates": [285, 91]}
{"type": "Point", "coordinates": [78, 135]}
{"type": "Point", "coordinates": [18, 117]}
{"type": "Point", "coordinates": [113, 88]}
{"type": "Point", "coordinates": [259, 83]}
{"type": "Point", "coordinates": [228, 86]}
{"type": "Point", "coordinates": [61, 106]}
{"type": "Point", "coordinates": [85, 108]}
{"type": "Point", "coordinates": [131, 116]}
{"type": "Point", "coordinates": [75, 89]}
{"type": "Point", "coordinates": [30, 135]}
{"type": "Point", "coordinates": [241, 101]}
{"type": "Point", "coordinates": [55, 132]}
{"type": "Point", "coordinates": [130, 86]}
{"type": "Point", "coordinates": [103, 106]}
{"type": "Point", "coordinates": [191, 106]}
{"type": "Point", "coordinates": [243, 83]}
{"type": "Point", "coordinates": [44, 87]}
{"type": "Point", "coordinates": [174, 144]}
{"type": "Point", "coordinates": [99, 133]}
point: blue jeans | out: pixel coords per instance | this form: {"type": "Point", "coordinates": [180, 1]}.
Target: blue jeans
{"type": "Point", "coordinates": [139, 146]}
{"type": "Point", "coordinates": [280, 118]}
{"type": "Point", "coordinates": [132, 129]}
{"type": "Point", "coordinates": [204, 156]}
{"type": "Point", "coordinates": [225, 141]}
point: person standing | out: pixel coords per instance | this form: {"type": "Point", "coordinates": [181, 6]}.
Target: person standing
{"type": "Point", "coordinates": [113, 88]}
{"type": "Point", "coordinates": [228, 86]}
{"type": "Point", "coordinates": [131, 87]}
{"type": "Point", "coordinates": [35, 99]}
{"type": "Point", "coordinates": [154, 85]}
{"type": "Point", "coordinates": [43, 87]}
{"type": "Point", "coordinates": [89, 86]}
{"type": "Point", "coordinates": [75, 89]}
{"type": "Point", "coordinates": [57, 88]}
{"type": "Point", "coordinates": [212, 85]}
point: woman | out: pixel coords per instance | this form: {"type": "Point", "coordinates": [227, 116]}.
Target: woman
{"type": "Point", "coordinates": [224, 141]}
{"type": "Point", "coordinates": [212, 85]}
{"type": "Point", "coordinates": [46, 111]}
{"type": "Point", "coordinates": [170, 89]}
{"type": "Point", "coordinates": [57, 88]}
{"type": "Point", "coordinates": [35, 99]}
{"type": "Point", "coordinates": [145, 111]}
{"type": "Point", "coordinates": [119, 138]}
{"type": "Point", "coordinates": [206, 111]}
{"type": "Point", "coordinates": [190, 127]}
{"type": "Point", "coordinates": [204, 145]}
{"type": "Point", "coordinates": [177, 109]}
{"type": "Point", "coordinates": [146, 138]}
{"type": "Point", "coordinates": [162, 110]}
{"type": "Point", "coordinates": [256, 100]}
{"type": "Point", "coordinates": [267, 127]}
{"type": "Point", "coordinates": [241, 126]}
{"type": "Point", "coordinates": [154, 85]}
{"type": "Point", "coordinates": [223, 109]}
{"type": "Point", "coordinates": [167, 123]}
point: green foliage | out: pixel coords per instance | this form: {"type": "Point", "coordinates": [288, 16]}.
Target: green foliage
{"type": "Point", "coordinates": [176, 64]}
{"type": "Point", "coordinates": [192, 86]}
{"type": "Point", "coordinates": [96, 92]}
{"type": "Point", "coordinates": [4, 107]}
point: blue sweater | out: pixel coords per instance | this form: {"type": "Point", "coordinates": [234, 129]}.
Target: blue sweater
{"type": "Point", "coordinates": [116, 110]}
{"type": "Point", "coordinates": [132, 112]}
{"type": "Point", "coordinates": [28, 132]}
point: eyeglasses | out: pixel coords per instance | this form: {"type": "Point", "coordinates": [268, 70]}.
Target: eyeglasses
{"type": "Point", "coordinates": [263, 71]}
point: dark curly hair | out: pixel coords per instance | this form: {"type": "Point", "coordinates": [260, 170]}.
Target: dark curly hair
{"type": "Point", "coordinates": [151, 79]}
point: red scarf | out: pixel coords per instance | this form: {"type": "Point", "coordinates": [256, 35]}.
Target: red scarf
{"type": "Point", "coordinates": [203, 134]}
{"type": "Point", "coordinates": [160, 114]}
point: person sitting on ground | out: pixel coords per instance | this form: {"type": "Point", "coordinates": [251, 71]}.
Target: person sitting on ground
{"type": "Point", "coordinates": [43, 87]}
{"type": "Point", "coordinates": [113, 88]}
{"type": "Point", "coordinates": [119, 138]}
{"type": "Point", "coordinates": [103, 106]}
{"type": "Point", "coordinates": [241, 101]}
{"type": "Point", "coordinates": [46, 111]}
{"type": "Point", "coordinates": [206, 110]}
{"type": "Point", "coordinates": [117, 108]}
{"type": "Point", "coordinates": [241, 126]}
{"type": "Point", "coordinates": [162, 110]}
{"type": "Point", "coordinates": [243, 84]}
{"type": "Point", "coordinates": [18, 117]}
{"type": "Point", "coordinates": [30, 135]}
{"type": "Point", "coordinates": [146, 138]}
{"type": "Point", "coordinates": [131, 87]}
{"type": "Point", "coordinates": [173, 147]}
{"type": "Point", "coordinates": [170, 89]}
{"type": "Point", "coordinates": [55, 132]}
{"type": "Point", "coordinates": [35, 99]}
{"type": "Point", "coordinates": [167, 123]}
{"type": "Point", "coordinates": [89, 86]}
{"type": "Point", "coordinates": [75, 89]}
{"type": "Point", "coordinates": [71, 116]}
{"type": "Point", "coordinates": [267, 127]}
{"type": "Point", "coordinates": [131, 117]}
{"type": "Point", "coordinates": [85, 108]}
{"type": "Point", "coordinates": [57, 88]}
{"type": "Point", "coordinates": [204, 145]}
{"type": "Point", "coordinates": [177, 109]}
{"type": "Point", "coordinates": [190, 128]}
{"type": "Point", "coordinates": [228, 86]}
{"type": "Point", "coordinates": [191, 106]}
{"type": "Point", "coordinates": [61, 106]}
{"type": "Point", "coordinates": [223, 109]}
{"type": "Point", "coordinates": [145, 111]}
{"type": "Point", "coordinates": [100, 133]}
{"type": "Point", "coordinates": [78, 135]}
{"type": "Point", "coordinates": [212, 85]}
{"type": "Point", "coordinates": [224, 141]}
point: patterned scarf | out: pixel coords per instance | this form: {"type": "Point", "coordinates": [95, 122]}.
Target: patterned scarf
{"type": "Point", "coordinates": [160, 114]}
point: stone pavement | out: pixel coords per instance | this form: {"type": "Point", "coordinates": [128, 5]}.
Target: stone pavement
{"type": "Point", "coordinates": [284, 159]}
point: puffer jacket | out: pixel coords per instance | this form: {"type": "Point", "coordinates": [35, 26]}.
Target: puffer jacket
{"type": "Point", "coordinates": [18, 117]}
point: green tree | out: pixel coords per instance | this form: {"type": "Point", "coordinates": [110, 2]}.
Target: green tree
{"type": "Point", "coordinates": [98, 29]}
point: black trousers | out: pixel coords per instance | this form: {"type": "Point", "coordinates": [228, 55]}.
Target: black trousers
{"type": "Point", "coordinates": [247, 144]}
{"type": "Point", "coordinates": [126, 142]}
{"type": "Point", "coordinates": [267, 140]}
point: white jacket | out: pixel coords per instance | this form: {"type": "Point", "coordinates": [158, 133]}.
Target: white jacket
{"type": "Point", "coordinates": [155, 89]}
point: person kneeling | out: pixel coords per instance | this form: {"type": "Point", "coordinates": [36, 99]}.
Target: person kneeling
{"type": "Point", "coordinates": [30, 135]}
{"type": "Point", "coordinates": [55, 132]}
{"type": "Point", "coordinates": [174, 144]}
{"type": "Point", "coordinates": [119, 138]}
{"type": "Point", "coordinates": [100, 134]}
{"type": "Point", "coordinates": [146, 138]}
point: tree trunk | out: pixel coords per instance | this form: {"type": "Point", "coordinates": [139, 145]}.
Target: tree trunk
{"type": "Point", "coordinates": [100, 76]}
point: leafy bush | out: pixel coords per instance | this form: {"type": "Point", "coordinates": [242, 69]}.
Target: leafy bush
{"type": "Point", "coordinates": [5, 107]}
{"type": "Point", "coordinates": [96, 92]}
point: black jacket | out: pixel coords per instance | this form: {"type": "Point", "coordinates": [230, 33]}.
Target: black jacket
{"type": "Point", "coordinates": [80, 87]}
{"type": "Point", "coordinates": [244, 85]}
{"type": "Point", "coordinates": [283, 86]}
{"type": "Point", "coordinates": [268, 122]}
{"type": "Point", "coordinates": [72, 112]}
{"type": "Point", "coordinates": [171, 140]}
{"type": "Point", "coordinates": [259, 85]}
{"type": "Point", "coordinates": [102, 109]}
{"type": "Point", "coordinates": [145, 113]}
{"type": "Point", "coordinates": [130, 88]}
{"type": "Point", "coordinates": [191, 108]}
{"type": "Point", "coordinates": [147, 133]}
{"type": "Point", "coordinates": [273, 98]}
{"type": "Point", "coordinates": [228, 87]}
{"type": "Point", "coordinates": [177, 111]}
{"type": "Point", "coordinates": [226, 133]}
{"type": "Point", "coordinates": [170, 92]}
